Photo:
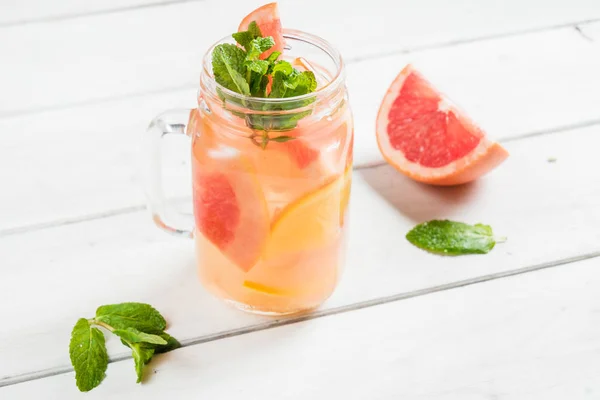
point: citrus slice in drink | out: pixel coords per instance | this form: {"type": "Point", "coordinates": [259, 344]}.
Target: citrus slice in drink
{"type": "Point", "coordinates": [310, 222]}
{"type": "Point", "coordinates": [269, 23]}
{"type": "Point", "coordinates": [425, 136]}
{"type": "Point", "coordinates": [229, 205]}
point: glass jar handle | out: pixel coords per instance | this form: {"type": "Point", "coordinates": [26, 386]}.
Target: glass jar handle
{"type": "Point", "coordinates": [164, 215]}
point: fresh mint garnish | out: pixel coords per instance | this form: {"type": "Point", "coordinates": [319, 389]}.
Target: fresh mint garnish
{"type": "Point", "coordinates": [453, 238]}
{"type": "Point", "coordinates": [229, 69]}
{"type": "Point", "coordinates": [244, 38]}
{"type": "Point", "coordinates": [140, 327]}
{"type": "Point", "coordinates": [140, 316]}
{"type": "Point", "coordinates": [88, 355]}
{"type": "Point", "coordinates": [132, 335]}
{"type": "Point", "coordinates": [240, 69]}
{"type": "Point", "coordinates": [141, 357]}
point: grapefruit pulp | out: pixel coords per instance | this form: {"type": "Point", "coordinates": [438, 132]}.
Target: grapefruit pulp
{"type": "Point", "coordinates": [425, 136]}
{"type": "Point", "coordinates": [269, 23]}
{"type": "Point", "coordinates": [311, 221]}
{"type": "Point", "coordinates": [229, 205]}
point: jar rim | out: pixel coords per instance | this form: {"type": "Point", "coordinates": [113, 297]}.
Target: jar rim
{"type": "Point", "coordinates": [209, 86]}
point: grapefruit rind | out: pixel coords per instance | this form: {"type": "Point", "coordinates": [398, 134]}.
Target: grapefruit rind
{"type": "Point", "coordinates": [312, 221]}
{"type": "Point", "coordinates": [480, 160]}
{"type": "Point", "coordinates": [268, 20]}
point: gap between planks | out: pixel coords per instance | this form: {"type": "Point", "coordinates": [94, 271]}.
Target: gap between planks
{"type": "Point", "coordinates": [9, 381]}
{"type": "Point", "coordinates": [137, 208]}
{"type": "Point", "coordinates": [351, 60]}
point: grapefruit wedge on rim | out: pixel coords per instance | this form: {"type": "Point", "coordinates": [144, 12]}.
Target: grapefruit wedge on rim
{"type": "Point", "coordinates": [426, 137]}
{"type": "Point", "coordinates": [269, 23]}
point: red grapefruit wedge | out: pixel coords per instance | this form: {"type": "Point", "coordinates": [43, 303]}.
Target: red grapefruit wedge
{"type": "Point", "coordinates": [426, 137]}
{"type": "Point", "coordinates": [229, 205]}
{"type": "Point", "coordinates": [267, 19]}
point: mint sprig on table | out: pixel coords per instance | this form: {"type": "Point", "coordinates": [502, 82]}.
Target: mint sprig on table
{"type": "Point", "coordinates": [453, 238]}
{"type": "Point", "coordinates": [241, 70]}
{"type": "Point", "coordinates": [139, 326]}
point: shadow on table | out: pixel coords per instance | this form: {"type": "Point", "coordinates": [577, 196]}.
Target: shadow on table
{"type": "Point", "coordinates": [418, 201]}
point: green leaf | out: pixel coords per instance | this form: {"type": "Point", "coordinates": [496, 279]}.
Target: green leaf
{"type": "Point", "coordinates": [141, 356]}
{"type": "Point", "coordinates": [133, 335]}
{"type": "Point", "coordinates": [273, 57]}
{"type": "Point", "coordinates": [284, 67]}
{"type": "Point", "coordinates": [258, 46]}
{"type": "Point", "coordinates": [259, 85]}
{"type": "Point", "coordinates": [89, 358]}
{"type": "Point", "coordinates": [304, 83]}
{"type": "Point", "coordinates": [282, 139]}
{"type": "Point", "coordinates": [258, 66]}
{"type": "Point", "coordinates": [244, 38]}
{"type": "Point", "coordinates": [452, 238]}
{"type": "Point", "coordinates": [140, 316]}
{"type": "Point", "coordinates": [228, 68]}
{"type": "Point", "coordinates": [172, 344]}
{"type": "Point", "coordinates": [245, 73]}
{"type": "Point", "coordinates": [143, 352]}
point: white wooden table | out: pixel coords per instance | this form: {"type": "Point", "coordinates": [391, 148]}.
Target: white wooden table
{"type": "Point", "coordinates": [79, 81]}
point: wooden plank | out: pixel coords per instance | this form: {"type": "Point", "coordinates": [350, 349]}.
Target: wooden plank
{"type": "Point", "coordinates": [590, 32]}
{"type": "Point", "coordinates": [14, 12]}
{"type": "Point", "coordinates": [106, 55]}
{"type": "Point", "coordinates": [88, 153]}
{"type": "Point", "coordinates": [17, 12]}
{"type": "Point", "coordinates": [548, 210]}
{"type": "Point", "coordinates": [533, 336]}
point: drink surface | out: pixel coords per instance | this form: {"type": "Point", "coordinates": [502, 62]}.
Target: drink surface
{"type": "Point", "coordinates": [271, 222]}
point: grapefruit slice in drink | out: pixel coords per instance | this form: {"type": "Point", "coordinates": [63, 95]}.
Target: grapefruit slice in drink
{"type": "Point", "coordinates": [426, 137]}
{"type": "Point", "coordinates": [311, 221]}
{"type": "Point", "coordinates": [229, 204]}
{"type": "Point", "coordinates": [269, 23]}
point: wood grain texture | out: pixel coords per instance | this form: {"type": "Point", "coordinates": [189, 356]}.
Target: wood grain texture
{"type": "Point", "coordinates": [549, 213]}
{"type": "Point", "coordinates": [502, 83]}
{"type": "Point", "coordinates": [80, 81]}
{"type": "Point", "coordinates": [534, 336]}
{"type": "Point", "coordinates": [20, 12]}
{"type": "Point", "coordinates": [156, 48]}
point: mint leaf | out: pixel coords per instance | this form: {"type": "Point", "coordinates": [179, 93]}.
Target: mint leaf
{"type": "Point", "coordinates": [258, 46]}
{"type": "Point", "coordinates": [452, 238]}
{"type": "Point", "coordinates": [288, 82]}
{"type": "Point", "coordinates": [242, 71]}
{"type": "Point", "coordinates": [273, 57]}
{"type": "Point", "coordinates": [258, 66]}
{"type": "Point", "coordinates": [89, 358]}
{"type": "Point", "coordinates": [141, 356]}
{"type": "Point", "coordinates": [143, 352]}
{"type": "Point", "coordinates": [172, 344]}
{"type": "Point", "coordinates": [304, 83]}
{"type": "Point", "coordinates": [283, 67]}
{"type": "Point", "coordinates": [282, 139]}
{"type": "Point", "coordinates": [228, 68]}
{"type": "Point", "coordinates": [259, 86]}
{"type": "Point", "coordinates": [140, 316]}
{"type": "Point", "coordinates": [244, 38]}
{"type": "Point", "coordinates": [132, 335]}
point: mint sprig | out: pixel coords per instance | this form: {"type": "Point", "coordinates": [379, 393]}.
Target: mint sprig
{"type": "Point", "coordinates": [241, 70]}
{"type": "Point", "coordinates": [88, 355]}
{"type": "Point", "coordinates": [140, 327]}
{"type": "Point", "coordinates": [446, 237]}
